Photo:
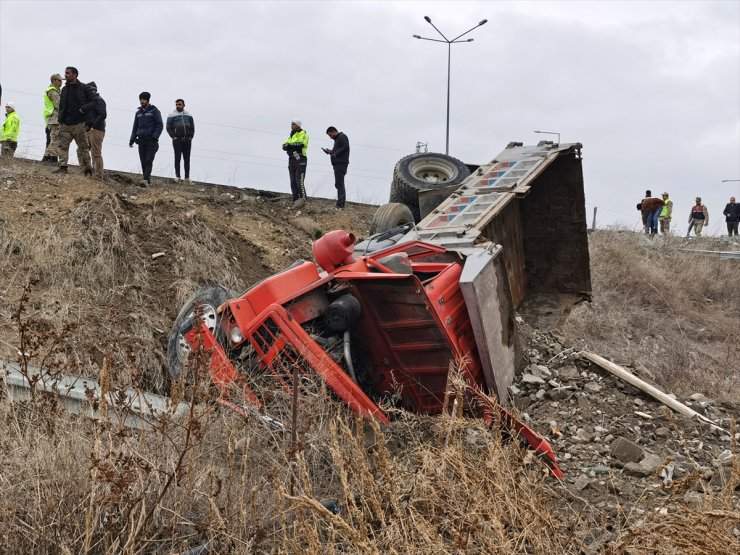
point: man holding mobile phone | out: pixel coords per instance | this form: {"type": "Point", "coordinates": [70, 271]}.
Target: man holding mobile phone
{"type": "Point", "coordinates": [340, 161]}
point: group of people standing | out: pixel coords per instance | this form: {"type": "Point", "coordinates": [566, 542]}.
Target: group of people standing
{"type": "Point", "coordinates": [148, 127]}
{"type": "Point", "coordinates": [296, 147]}
{"type": "Point", "coordinates": [658, 212]}
{"type": "Point", "coordinates": [76, 112]}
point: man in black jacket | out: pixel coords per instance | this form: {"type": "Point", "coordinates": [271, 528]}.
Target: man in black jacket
{"type": "Point", "coordinates": [732, 216]}
{"type": "Point", "coordinates": [74, 100]}
{"type": "Point", "coordinates": [339, 161]}
{"type": "Point", "coordinates": [95, 115]}
{"type": "Point", "coordinates": [148, 127]}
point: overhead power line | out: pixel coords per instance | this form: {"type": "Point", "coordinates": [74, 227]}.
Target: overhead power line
{"type": "Point", "coordinates": [228, 126]}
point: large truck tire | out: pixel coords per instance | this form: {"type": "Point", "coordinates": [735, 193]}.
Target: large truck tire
{"type": "Point", "coordinates": [422, 172]}
{"type": "Point", "coordinates": [390, 215]}
{"type": "Point", "coordinates": [207, 299]}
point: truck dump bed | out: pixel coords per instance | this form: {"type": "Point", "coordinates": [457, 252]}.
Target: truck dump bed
{"type": "Point", "coordinates": [530, 200]}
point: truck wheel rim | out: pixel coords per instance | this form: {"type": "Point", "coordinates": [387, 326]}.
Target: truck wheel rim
{"type": "Point", "coordinates": [210, 320]}
{"type": "Point", "coordinates": [432, 170]}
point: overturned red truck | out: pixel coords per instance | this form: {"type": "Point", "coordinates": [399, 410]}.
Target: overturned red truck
{"type": "Point", "coordinates": [384, 320]}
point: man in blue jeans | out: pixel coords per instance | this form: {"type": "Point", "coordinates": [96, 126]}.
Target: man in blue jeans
{"type": "Point", "coordinates": [651, 207]}
{"type": "Point", "coordinates": [148, 127]}
{"type": "Point", "coordinates": [181, 128]}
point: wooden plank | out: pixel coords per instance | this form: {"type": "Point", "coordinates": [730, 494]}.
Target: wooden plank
{"type": "Point", "coordinates": [653, 391]}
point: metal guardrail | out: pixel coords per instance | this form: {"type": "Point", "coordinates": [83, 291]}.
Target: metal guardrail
{"type": "Point", "coordinates": [83, 395]}
{"type": "Point", "coordinates": [730, 255]}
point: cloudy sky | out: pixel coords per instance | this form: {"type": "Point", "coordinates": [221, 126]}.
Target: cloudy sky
{"type": "Point", "coordinates": [651, 89]}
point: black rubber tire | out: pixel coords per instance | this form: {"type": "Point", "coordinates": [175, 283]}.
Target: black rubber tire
{"type": "Point", "coordinates": [424, 171]}
{"type": "Point", "coordinates": [210, 297]}
{"type": "Point", "coordinates": [390, 215]}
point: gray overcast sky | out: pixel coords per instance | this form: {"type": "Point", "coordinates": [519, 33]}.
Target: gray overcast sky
{"type": "Point", "coordinates": [651, 89]}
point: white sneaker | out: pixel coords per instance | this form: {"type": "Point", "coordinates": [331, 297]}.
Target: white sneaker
{"type": "Point", "coordinates": [300, 203]}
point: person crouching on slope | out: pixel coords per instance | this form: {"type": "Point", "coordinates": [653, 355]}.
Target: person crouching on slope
{"type": "Point", "coordinates": [651, 208]}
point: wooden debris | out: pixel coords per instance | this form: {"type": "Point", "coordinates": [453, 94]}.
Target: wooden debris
{"type": "Point", "coordinates": [653, 391]}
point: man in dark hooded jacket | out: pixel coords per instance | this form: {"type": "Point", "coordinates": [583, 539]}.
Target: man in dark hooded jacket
{"type": "Point", "coordinates": [74, 99]}
{"type": "Point", "coordinates": [95, 116]}
{"type": "Point", "coordinates": [148, 127]}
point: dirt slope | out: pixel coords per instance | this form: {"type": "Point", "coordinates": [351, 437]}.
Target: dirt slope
{"type": "Point", "coordinates": [638, 480]}
{"type": "Point", "coordinates": [86, 247]}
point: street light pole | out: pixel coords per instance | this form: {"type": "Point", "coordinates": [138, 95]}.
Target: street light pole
{"type": "Point", "coordinates": [449, 65]}
{"type": "Point", "coordinates": [447, 124]}
{"type": "Point", "coordinates": [550, 133]}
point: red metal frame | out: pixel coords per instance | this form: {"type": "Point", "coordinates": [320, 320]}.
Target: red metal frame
{"type": "Point", "coordinates": [411, 329]}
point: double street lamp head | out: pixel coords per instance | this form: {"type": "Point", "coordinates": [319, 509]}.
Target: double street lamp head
{"type": "Point", "coordinates": [481, 22]}
{"type": "Point", "coordinates": [449, 45]}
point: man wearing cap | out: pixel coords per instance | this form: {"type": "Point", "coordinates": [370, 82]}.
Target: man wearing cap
{"type": "Point", "coordinates": [10, 131]}
{"type": "Point", "coordinates": [75, 98]}
{"type": "Point", "coordinates": [665, 215]}
{"type": "Point", "coordinates": [732, 216]}
{"type": "Point", "coordinates": [95, 115]}
{"type": "Point", "coordinates": [181, 129]}
{"type": "Point", "coordinates": [51, 117]}
{"type": "Point", "coordinates": [296, 146]}
{"type": "Point", "coordinates": [698, 218]}
{"type": "Point", "coordinates": [339, 154]}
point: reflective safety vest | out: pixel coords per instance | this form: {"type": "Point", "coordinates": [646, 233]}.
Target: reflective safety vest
{"type": "Point", "coordinates": [667, 208]}
{"type": "Point", "coordinates": [48, 104]}
{"type": "Point", "coordinates": [299, 137]}
{"type": "Point", "coordinates": [697, 212]}
{"type": "Point", "coordinates": [11, 127]}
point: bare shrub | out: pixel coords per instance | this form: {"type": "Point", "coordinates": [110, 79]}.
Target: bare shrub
{"type": "Point", "coordinates": [669, 310]}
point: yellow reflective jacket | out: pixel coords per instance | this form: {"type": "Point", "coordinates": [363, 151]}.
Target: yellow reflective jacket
{"type": "Point", "coordinates": [11, 127]}
{"type": "Point", "coordinates": [49, 106]}
{"type": "Point", "coordinates": [296, 139]}
{"type": "Point", "coordinates": [667, 209]}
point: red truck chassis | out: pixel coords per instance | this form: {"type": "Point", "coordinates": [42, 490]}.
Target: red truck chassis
{"type": "Point", "coordinates": [388, 325]}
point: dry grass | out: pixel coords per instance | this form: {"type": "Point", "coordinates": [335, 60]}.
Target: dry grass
{"type": "Point", "coordinates": [421, 485]}
{"type": "Point", "coordinates": [94, 268]}
{"type": "Point", "coordinates": [673, 312]}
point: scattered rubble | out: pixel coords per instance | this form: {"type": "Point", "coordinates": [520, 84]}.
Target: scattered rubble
{"type": "Point", "coordinates": [615, 442]}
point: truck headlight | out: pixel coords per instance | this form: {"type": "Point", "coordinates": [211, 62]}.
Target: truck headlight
{"type": "Point", "coordinates": [237, 336]}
